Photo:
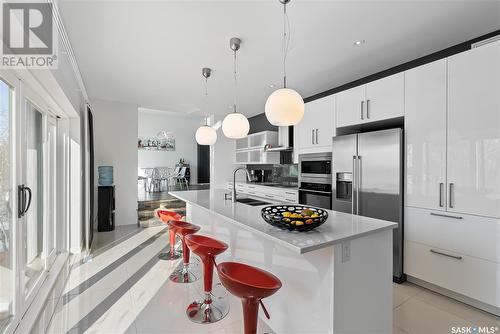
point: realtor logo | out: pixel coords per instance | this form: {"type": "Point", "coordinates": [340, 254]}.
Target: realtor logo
{"type": "Point", "coordinates": [28, 35]}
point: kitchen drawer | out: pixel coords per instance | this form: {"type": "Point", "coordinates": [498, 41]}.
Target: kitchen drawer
{"type": "Point", "coordinates": [472, 277]}
{"type": "Point", "coordinates": [471, 235]}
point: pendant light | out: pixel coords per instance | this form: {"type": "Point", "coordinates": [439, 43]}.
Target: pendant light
{"type": "Point", "coordinates": [284, 106]}
{"type": "Point", "coordinates": [235, 124]}
{"type": "Point", "coordinates": [206, 135]}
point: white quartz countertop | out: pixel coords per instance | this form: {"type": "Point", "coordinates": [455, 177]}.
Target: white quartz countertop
{"type": "Point", "coordinates": [338, 228]}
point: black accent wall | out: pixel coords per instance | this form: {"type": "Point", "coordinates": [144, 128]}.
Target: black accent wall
{"type": "Point", "coordinates": [260, 123]}
{"type": "Point", "coordinates": [405, 66]}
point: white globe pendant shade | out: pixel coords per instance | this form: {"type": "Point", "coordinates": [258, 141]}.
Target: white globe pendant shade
{"type": "Point", "coordinates": [235, 126]}
{"type": "Point", "coordinates": [284, 107]}
{"type": "Point", "coordinates": [206, 135]}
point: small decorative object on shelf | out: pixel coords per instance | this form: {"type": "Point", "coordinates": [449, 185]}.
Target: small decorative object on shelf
{"type": "Point", "coordinates": [294, 217]}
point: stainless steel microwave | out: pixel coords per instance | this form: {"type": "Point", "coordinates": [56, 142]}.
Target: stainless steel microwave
{"type": "Point", "coordinates": [315, 165]}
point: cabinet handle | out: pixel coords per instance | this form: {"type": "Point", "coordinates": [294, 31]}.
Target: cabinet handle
{"type": "Point", "coordinates": [445, 216]}
{"type": "Point", "coordinates": [312, 139]}
{"type": "Point", "coordinates": [444, 254]}
{"type": "Point", "coordinates": [361, 115]}
{"type": "Point", "coordinates": [452, 199]}
{"type": "Point", "coordinates": [441, 188]}
{"type": "Point", "coordinates": [317, 130]}
{"type": "Point", "coordinates": [368, 108]}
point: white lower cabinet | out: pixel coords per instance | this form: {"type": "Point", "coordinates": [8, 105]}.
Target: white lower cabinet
{"type": "Point", "coordinates": [460, 253]}
{"type": "Point", "coordinates": [473, 277]}
{"type": "Point", "coordinates": [466, 234]}
{"type": "Point", "coordinates": [272, 194]}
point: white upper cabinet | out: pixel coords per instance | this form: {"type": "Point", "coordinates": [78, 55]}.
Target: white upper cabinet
{"type": "Point", "coordinates": [375, 101]}
{"type": "Point", "coordinates": [317, 128]}
{"type": "Point", "coordinates": [350, 106]}
{"type": "Point", "coordinates": [324, 116]}
{"type": "Point", "coordinates": [250, 150]}
{"type": "Point", "coordinates": [425, 136]}
{"type": "Point", "coordinates": [474, 131]}
{"type": "Point", "coordinates": [305, 129]}
{"type": "Point", "coordinates": [385, 98]}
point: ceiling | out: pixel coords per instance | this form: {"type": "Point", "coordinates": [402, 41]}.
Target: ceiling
{"type": "Point", "coordinates": [151, 53]}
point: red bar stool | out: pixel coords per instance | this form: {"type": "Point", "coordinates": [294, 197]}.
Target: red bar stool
{"type": "Point", "coordinates": [165, 216]}
{"type": "Point", "coordinates": [183, 229]}
{"type": "Point", "coordinates": [210, 309]}
{"type": "Point", "coordinates": [251, 285]}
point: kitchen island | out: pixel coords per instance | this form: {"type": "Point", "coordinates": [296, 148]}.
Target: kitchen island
{"type": "Point", "coordinates": [336, 278]}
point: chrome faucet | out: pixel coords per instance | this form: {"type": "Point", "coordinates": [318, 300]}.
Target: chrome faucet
{"type": "Point", "coordinates": [233, 193]}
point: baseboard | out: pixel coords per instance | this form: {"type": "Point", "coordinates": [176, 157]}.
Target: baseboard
{"type": "Point", "coordinates": [454, 295]}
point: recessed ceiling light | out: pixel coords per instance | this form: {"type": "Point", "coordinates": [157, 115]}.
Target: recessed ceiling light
{"type": "Point", "coordinates": [360, 42]}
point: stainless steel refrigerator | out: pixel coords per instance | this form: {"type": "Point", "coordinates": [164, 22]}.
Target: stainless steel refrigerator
{"type": "Point", "coordinates": [368, 181]}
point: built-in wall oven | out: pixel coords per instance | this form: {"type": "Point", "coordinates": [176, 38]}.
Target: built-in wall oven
{"type": "Point", "coordinates": [315, 180]}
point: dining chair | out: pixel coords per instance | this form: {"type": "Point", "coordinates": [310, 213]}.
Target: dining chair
{"type": "Point", "coordinates": [182, 177]}
{"type": "Point", "coordinates": [164, 175]}
{"type": "Point", "coordinates": [173, 176]}
{"type": "Point", "coordinates": [146, 176]}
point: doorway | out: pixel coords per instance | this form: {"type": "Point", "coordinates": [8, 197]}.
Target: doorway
{"type": "Point", "coordinates": [203, 164]}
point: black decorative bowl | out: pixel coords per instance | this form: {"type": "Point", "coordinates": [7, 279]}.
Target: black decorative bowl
{"type": "Point", "coordinates": [286, 218]}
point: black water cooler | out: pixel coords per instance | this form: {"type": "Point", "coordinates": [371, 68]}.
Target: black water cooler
{"type": "Point", "coordinates": [105, 208]}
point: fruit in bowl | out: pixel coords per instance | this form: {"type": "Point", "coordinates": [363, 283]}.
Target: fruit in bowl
{"type": "Point", "coordinates": [306, 213]}
{"type": "Point", "coordinates": [294, 217]}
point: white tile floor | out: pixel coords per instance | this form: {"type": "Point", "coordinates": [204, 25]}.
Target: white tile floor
{"type": "Point", "coordinates": [421, 311]}
{"type": "Point", "coordinates": [135, 296]}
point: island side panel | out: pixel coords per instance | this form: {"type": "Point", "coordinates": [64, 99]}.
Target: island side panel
{"type": "Point", "coordinates": [363, 285]}
{"type": "Point", "coordinates": [305, 302]}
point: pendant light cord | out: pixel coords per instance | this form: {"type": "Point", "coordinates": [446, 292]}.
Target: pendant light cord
{"type": "Point", "coordinates": [235, 82]}
{"type": "Point", "coordinates": [206, 100]}
{"type": "Point", "coordinates": [286, 41]}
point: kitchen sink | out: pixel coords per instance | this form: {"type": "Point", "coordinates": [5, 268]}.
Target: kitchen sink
{"type": "Point", "coordinates": [251, 201]}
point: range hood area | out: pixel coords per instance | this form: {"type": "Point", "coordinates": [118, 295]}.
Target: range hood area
{"type": "Point", "coordinates": [285, 140]}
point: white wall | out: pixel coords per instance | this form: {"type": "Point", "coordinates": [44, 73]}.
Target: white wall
{"type": "Point", "coordinates": [182, 127]}
{"type": "Point", "coordinates": [115, 144]}
{"type": "Point", "coordinates": [221, 160]}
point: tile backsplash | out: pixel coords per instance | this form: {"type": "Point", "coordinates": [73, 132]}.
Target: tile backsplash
{"type": "Point", "coordinates": [284, 174]}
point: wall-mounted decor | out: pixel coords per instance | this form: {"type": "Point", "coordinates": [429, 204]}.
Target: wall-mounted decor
{"type": "Point", "coordinates": [156, 144]}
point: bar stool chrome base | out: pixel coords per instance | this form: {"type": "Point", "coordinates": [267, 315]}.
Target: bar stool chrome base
{"type": "Point", "coordinates": [183, 275]}
{"type": "Point", "coordinates": [209, 310]}
{"type": "Point", "coordinates": [169, 256]}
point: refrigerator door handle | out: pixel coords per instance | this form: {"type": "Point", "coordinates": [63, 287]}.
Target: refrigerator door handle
{"type": "Point", "coordinates": [358, 183]}
{"type": "Point", "coordinates": [353, 182]}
